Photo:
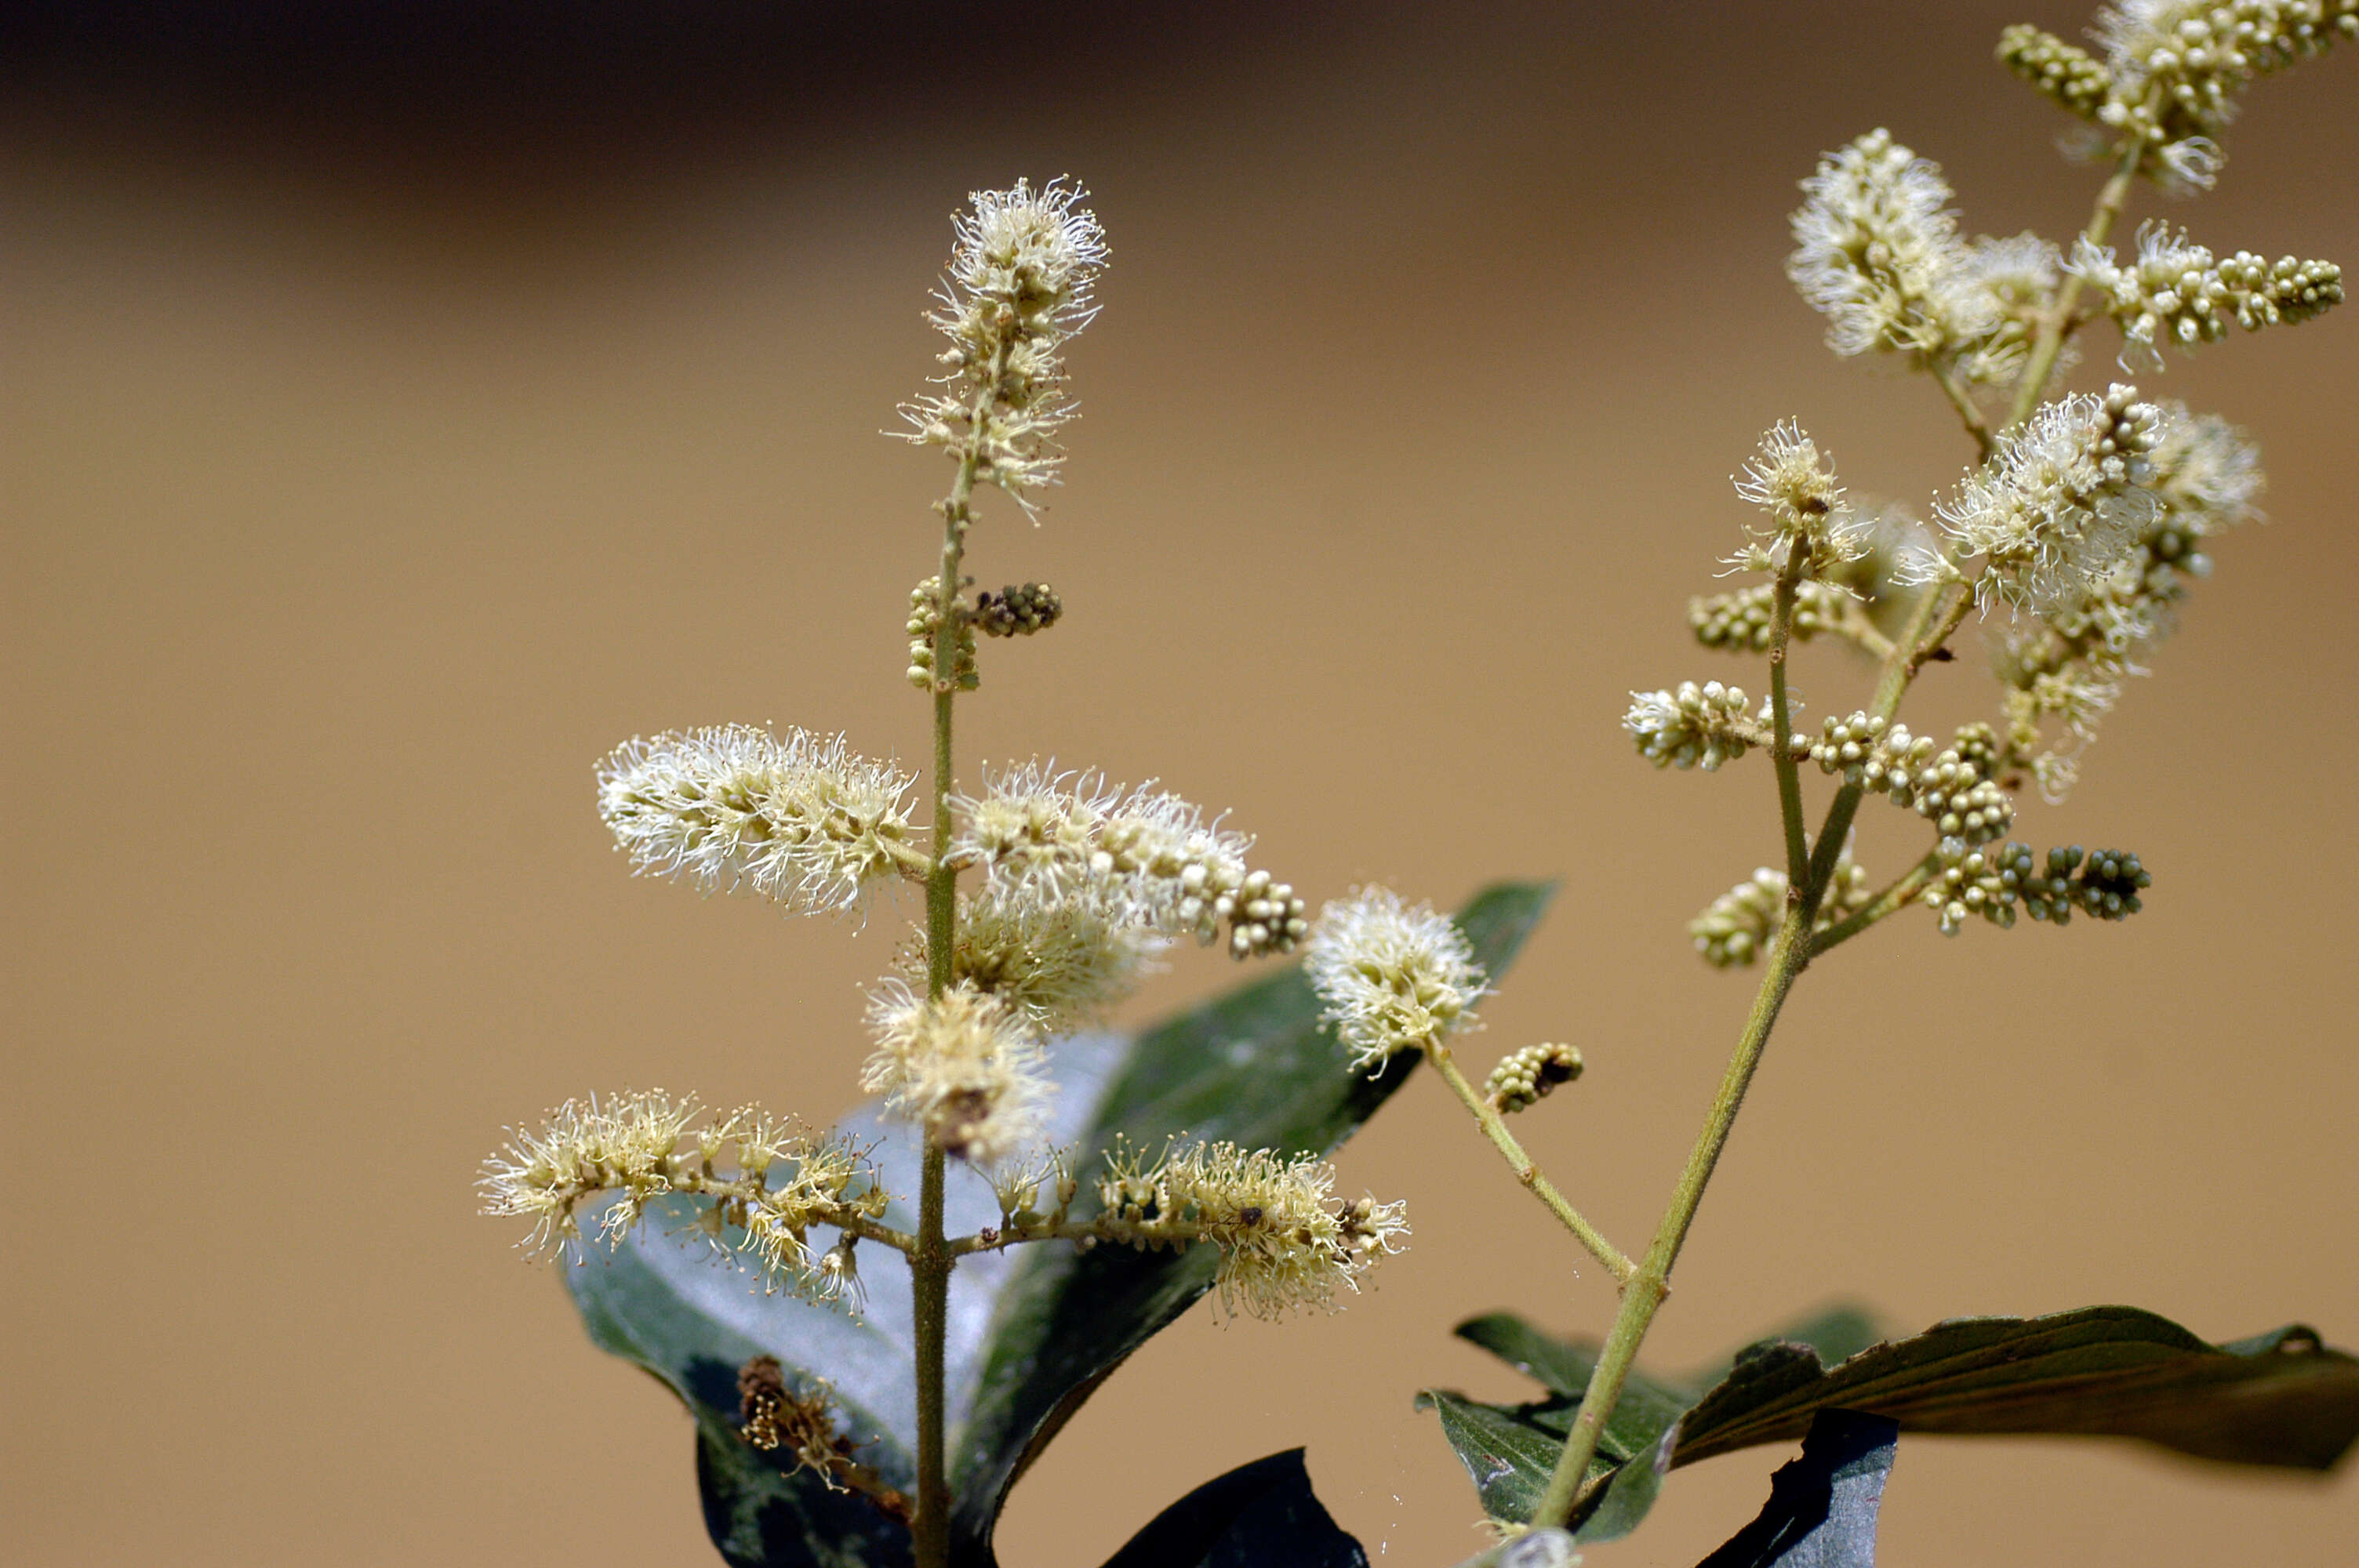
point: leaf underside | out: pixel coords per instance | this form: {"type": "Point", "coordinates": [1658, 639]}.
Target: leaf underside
{"type": "Point", "coordinates": [1032, 1332]}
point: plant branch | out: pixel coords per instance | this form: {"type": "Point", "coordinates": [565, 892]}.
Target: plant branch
{"type": "Point", "coordinates": [1894, 896]}
{"type": "Point", "coordinates": [1495, 1127]}
{"type": "Point", "coordinates": [1789, 954]}
{"type": "Point", "coordinates": [2057, 318]}
{"type": "Point", "coordinates": [1789, 778]}
{"type": "Point", "coordinates": [1945, 376]}
{"type": "Point", "coordinates": [930, 1259]}
{"type": "Point", "coordinates": [1645, 1289]}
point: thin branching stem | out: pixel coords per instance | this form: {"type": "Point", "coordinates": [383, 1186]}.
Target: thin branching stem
{"type": "Point", "coordinates": [1894, 896]}
{"type": "Point", "coordinates": [1789, 954]}
{"type": "Point", "coordinates": [2058, 319]}
{"type": "Point", "coordinates": [1527, 1171]}
{"type": "Point", "coordinates": [930, 1259]}
{"type": "Point", "coordinates": [1789, 778]}
{"type": "Point", "coordinates": [1945, 376]}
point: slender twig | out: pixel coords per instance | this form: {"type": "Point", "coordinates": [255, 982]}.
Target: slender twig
{"type": "Point", "coordinates": [2057, 318]}
{"type": "Point", "coordinates": [1789, 779]}
{"type": "Point", "coordinates": [1894, 896]}
{"type": "Point", "coordinates": [1945, 375]}
{"type": "Point", "coordinates": [1789, 954]}
{"type": "Point", "coordinates": [931, 1259]}
{"type": "Point", "coordinates": [1527, 1171]}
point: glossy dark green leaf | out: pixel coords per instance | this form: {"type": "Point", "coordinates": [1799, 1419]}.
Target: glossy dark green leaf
{"type": "Point", "coordinates": [1262, 1515]}
{"type": "Point", "coordinates": [1823, 1506]}
{"type": "Point", "coordinates": [1031, 1332]}
{"type": "Point", "coordinates": [2279, 1398]}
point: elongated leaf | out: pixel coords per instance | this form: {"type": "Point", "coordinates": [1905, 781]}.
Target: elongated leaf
{"type": "Point", "coordinates": [1032, 1332]}
{"type": "Point", "coordinates": [1823, 1506]}
{"type": "Point", "coordinates": [2279, 1399]}
{"type": "Point", "coordinates": [1262, 1515]}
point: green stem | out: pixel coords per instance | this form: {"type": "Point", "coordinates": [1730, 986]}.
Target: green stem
{"type": "Point", "coordinates": [1789, 777]}
{"type": "Point", "coordinates": [1527, 1171]}
{"type": "Point", "coordinates": [2057, 318]}
{"type": "Point", "coordinates": [1901, 892]}
{"type": "Point", "coordinates": [1646, 1288]}
{"type": "Point", "coordinates": [1789, 954]}
{"type": "Point", "coordinates": [931, 1259]}
{"type": "Point", "coordinates": [1945, 376]}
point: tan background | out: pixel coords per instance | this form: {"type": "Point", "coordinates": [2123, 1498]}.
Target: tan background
{"type": "Point", "coordinates": [397, 420]}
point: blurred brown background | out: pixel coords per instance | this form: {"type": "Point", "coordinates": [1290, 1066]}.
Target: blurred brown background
{"type": "Point", "coordinates": [407, 404]}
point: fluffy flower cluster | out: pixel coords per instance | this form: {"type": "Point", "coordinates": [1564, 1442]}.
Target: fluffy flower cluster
{"type": "Point", "coordinates": [798, 818]}
{"type": "Point", "coordinates": [1697, 726]}
{"type": "Point", "coordinates": [1796, 489]}
{"type": "Point", "coordinates": [2066, 666]}
{"type": "Point", "coordinates": [2177, 292]}
{"type": "Point", "coordinates": [2060, 501]}
{"type": "Point", "coordinates": [639, 1147]}
{"type": "Point", "coordinates": [1876, 250]}
{"type": "Point", "coordinates": [1392, 977]}
{"type": "Point", "coordinates": [1285, 1241]}
{"type": "Point", "coordinates": [1017, 286]}
{"type": "Point", "coordinates": [1144, 860]}
{"type": "Point", "coordinates": [965, 1066]}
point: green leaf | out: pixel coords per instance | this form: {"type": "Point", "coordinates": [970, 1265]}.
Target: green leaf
{"type": "Point", "coordinates": [1262, 1515]}
{"type": "Point", "coordinates": [1823, 1506]}
{"type": "Point", "coordinates": [2279, 1398]}
{"type": "Point", "coordinates": [1033, 1331]}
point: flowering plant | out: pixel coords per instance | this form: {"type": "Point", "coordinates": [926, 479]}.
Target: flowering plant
{"type": "Point", "coordinates": [1058, 1193]}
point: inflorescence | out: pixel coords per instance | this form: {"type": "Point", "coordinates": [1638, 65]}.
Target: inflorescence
{"type": "Point", "coordinates": [1393, 978]}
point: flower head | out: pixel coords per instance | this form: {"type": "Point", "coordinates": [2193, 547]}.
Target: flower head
{"type": "Point", "coordinates": [1393, 978]}
{"type": "Point", "coordinates": [2060, 501]}
{"type": "Point", "coordinates": [1876, 251]}
{"type": "Point", "coordinates": [1147, 858]}
{"type": "Point", "coordinates": [799, 818]}
{"type": "Point", "coordinates": [964, 1065]}
{"type": "Point", "coordinates": [584, 1148]}
{"type": "Point", "coordinates": [1787, 480]}
{"type": "Point", "coordinates": [1018, 285]}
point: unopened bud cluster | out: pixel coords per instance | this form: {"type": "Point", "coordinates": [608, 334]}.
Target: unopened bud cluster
{"type": "Point", "coordinates": [1018, 610]}
{"type": "Point", "coordinates": [1694, 726]}
{"type": "Point", "coordinates": [1950, 786]}
{"type": "Point", "coordinates": [2176, 292]}
{"type": "Point", "coordinates": [2172, 69]}
{"type": "Point", "coordinates": [1523, 1078]}
{"type": "Point", "coordinates": [1737, 927]}
{"type": "Point", "coordinates": [1284, 1240]}
{"type": "Point", "coordinates": [1991, 881]}
{"type": "Point", "coordinates": [1741, 621]}
{"type": "Point", "coordinates": [925, 628]}
{"type": "Point", "coordinates": [1392, 977]}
